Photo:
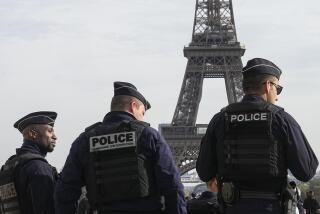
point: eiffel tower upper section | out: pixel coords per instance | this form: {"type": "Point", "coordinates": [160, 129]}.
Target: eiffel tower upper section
{"type": "Point", "coordinates": [214, 52]}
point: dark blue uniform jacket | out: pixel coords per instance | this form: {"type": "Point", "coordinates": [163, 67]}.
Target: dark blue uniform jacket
{"type": "Point", "coordinates": [300, 159]}
{"type": "Point", "coordinates": [35, 182]}
{"type": "Point", "coordinates": [68, 188]}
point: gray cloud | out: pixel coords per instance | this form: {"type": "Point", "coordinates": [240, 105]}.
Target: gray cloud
{"type": "Point", "coordinates": [64, 56]}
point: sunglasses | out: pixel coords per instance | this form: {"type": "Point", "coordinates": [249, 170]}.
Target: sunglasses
{"type": "Point", "coordinates": [278, 87]}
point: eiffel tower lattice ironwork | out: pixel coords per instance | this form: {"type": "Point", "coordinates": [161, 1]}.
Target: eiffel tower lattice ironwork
{"type": "Point", "coordinates": [214, 52]}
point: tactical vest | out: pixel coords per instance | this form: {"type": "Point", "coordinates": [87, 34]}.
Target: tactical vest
{"type": "Point", "coordinates": [250, 152]}
{"type": "Point", "coordinates": [117, 169]}
{"type": "Point", "coordinates": [9, 198]}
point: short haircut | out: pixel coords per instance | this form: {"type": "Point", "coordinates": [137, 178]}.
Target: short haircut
{"type": "Point", "coordinates": [25, 131]}
{"type": "Point", "coordinates": [253, 84]}
{"type": "Point", "coordinates": [123, 102]}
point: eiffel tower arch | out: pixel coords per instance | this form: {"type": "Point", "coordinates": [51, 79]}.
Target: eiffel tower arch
{"type": "Point", "coordinates": [214, 52]}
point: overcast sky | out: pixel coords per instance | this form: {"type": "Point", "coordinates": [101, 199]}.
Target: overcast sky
{"type": "Point", "coordinates": [65, 55]}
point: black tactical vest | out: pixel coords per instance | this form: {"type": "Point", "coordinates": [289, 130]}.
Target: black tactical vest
{"type": "Point", "coordinates": [117, 169]}
{"type": "Point", "coordinates": [9, 198]}
{"type": "Point", "coordinates": [250, 152]}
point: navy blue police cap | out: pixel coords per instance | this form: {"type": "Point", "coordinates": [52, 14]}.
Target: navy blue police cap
{"type": "Point", "coordinates": [125, 88]}
{"type": "Point", "coordinates": [39, 117]}
{"type": "Point", "coordinates": [258, 66]}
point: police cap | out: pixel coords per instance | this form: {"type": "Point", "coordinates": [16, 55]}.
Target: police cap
{"type": "Point", "coordinates": [125, 88]}
{"type": "Point", "coordinates": [259, 66]}
{"type": "Point", "coordinates": [40, 117]}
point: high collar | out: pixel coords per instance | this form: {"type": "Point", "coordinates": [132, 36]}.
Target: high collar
{"type": "Point", "coordinates": [32, 147]}
{"type": "Point", "coordinates": [116, 116]}
{"type": "Point", "coordinates": [252, 98]}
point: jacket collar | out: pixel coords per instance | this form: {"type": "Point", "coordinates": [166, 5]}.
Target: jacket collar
{"type": "Point", "coordinates": [252, 98]}
{"type": "Point", "coordinates": [29, 146]}
{"type": "Point", "coordinates": [116, 116]}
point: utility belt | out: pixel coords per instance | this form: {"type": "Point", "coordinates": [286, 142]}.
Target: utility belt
{"type": "Point", "coordinates": [230, 194]}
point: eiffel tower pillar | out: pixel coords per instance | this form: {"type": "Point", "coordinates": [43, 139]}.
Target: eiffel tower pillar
{"type": "Point", "coordinates": [214, 52]}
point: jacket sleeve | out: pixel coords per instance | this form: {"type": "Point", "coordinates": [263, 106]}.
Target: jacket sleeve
{"type": "Point", "coordinates": [166, 173]}
{"type": "Point", "coordinates": [68, 188]}
{"type": "Point", "coordinates": [206, 164]}
{"type": "Point", "coordinates": [301, 160]}
{"type": "Point", "coordinates": [40, 189]}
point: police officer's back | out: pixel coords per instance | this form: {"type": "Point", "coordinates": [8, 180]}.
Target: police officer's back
{"type": "Point", "coordinates": [33, 177]}
{"type": "Point", "coordinates": [125, 165]}
{"type": "Point", "coordinates": [249, 146]}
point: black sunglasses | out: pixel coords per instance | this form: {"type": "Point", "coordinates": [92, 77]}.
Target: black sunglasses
{"type": "Point", "coordinates": [278, 87]}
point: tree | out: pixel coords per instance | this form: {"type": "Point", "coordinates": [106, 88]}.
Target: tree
{"type": "Point", "coordinates": [313, 185]}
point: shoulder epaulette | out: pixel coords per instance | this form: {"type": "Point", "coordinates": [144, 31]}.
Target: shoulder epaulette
{"type": "Point", "coordinates": [24, 158]}
{"type": "Point", "coordinates": [141, 123]}
{"type": "Point", "coordinates": [275, 108]}
{"type": "Point", "coordinates": [223, 109]}
{"type": "Point", "coordinates": [21, 160]}
{"type": "Point", "coordinates": [92, 126]}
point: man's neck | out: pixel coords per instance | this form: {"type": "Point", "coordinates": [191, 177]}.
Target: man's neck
{"type": "Point", "coordinates": [263, 96]}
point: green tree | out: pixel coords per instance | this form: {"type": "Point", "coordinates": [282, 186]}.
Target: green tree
{"type": "Point", "coordinates": [313, 185]}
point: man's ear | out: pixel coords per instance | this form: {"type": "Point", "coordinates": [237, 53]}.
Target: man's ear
{"type": "Point", "coordinates": [33, 134]}
{"type": "Point", "coordinates": [266, 87]}
{"type": "Point", "coordinates": [129, 108]}
{"type": "Point", "coordinates": [133, 106]}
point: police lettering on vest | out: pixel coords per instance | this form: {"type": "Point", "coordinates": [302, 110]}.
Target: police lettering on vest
{"type": "Point", "coordinates": [7, 191]}
{"type": "Point", "coordinates": [246, 117]}
{"type": "Point", "coordinates": [112, 141]}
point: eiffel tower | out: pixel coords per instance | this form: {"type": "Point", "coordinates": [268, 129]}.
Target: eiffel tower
{"type": "Point", "coordinates": [214, 52]}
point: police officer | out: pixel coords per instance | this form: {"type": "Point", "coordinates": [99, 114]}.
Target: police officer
{"type": "Point", "coordinates": [34, 177]}
{"type": "Point", "coordinates": [311, 204]}
{"type": "Point", "coordinates": [125, 165]}
{"type": "Point", "coordinates": [249, 146]}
